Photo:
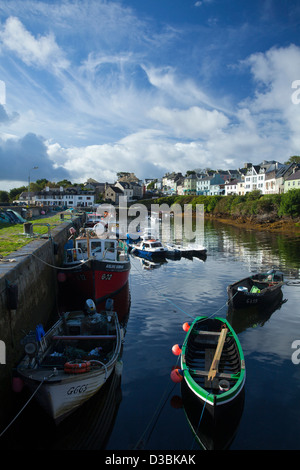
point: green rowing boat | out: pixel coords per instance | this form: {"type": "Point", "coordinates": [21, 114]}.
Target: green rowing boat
{"type": "Point", "coordinates": [212, 361]}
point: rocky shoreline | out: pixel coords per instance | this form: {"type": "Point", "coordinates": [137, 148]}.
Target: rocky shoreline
{"type": "Point", "coordinates": [286, 225]}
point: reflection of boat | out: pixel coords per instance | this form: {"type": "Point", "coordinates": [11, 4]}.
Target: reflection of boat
{"type": "Point", "coordinates": [149, 264]}
{"type": "Point", "coordinates": [210, 433]}
{"type": "Point", "coordinates": [212, 362]}
{"type": "Point", "coordinates": [251, 317]}
{"type": "Point", "coordinates": [90, 427]}
{"type": "Point", "coordinates": [260, 289]}
{"type": "Point", "coordinates": [71, 362]}
{"type": "Point", "coordinates": [95, 267]}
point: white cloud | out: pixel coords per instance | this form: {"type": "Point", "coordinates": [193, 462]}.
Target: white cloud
{"type": "Point", "coordinates": [192, 123]}
{"type": "Point", "coordinates": [39, 52]}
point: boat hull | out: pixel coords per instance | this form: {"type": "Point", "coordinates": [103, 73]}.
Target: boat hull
{"type": "Point", "coordinates": [196, 359]}
{"type": "Point", "coordinates": [61, 397]}
{"type": "Point", "coordinates": [150, 255]}
{"type": "Point", "coordinates": [240, 295]}
{"type": "Point", "coordinates": [97, 279]}
{"type": "Point", "coordinates": [72, 361]}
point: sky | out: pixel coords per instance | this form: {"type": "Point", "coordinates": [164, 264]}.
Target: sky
{"type": "Point", "coordinates": [94, 87]}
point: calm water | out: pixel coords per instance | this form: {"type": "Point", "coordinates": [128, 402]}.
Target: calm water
{"type": "Point", "coordinates": [141, 407]}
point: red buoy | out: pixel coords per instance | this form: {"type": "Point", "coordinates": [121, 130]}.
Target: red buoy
{"type": "Point", "coordinates": [176, 350]}
{"type": "Point", "coordinates": [176, 375]}
{"type": "Point", "coordinates": [186, 326]}
{"type": "Point", "coordinates": [17, 384]}
{"type": "Point", "coordinates": [61, 277]}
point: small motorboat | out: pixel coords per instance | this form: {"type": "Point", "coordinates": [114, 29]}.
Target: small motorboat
{"type": "Point", "coordinates": [149, 248]}
{"type": "Point", "coordinates": [66, 366]}
{"type": "Point", "coordinates": [260, 290]}
{"type": "Point", "coordinates": [212, 363]}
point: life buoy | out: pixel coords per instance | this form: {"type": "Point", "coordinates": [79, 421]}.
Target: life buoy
{"type": "Point", "coordinates": [77, 367]}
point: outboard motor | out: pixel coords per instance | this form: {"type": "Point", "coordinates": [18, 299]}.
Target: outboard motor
{"type": "Point", "coordinates": [90, 307]}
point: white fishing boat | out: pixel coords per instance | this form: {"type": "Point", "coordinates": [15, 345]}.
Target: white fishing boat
{"type": "Point", "coordinates": [70, 363]}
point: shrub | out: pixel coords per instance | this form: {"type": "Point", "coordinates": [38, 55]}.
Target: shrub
{"type": "Point", "coordinates": [290, 203]}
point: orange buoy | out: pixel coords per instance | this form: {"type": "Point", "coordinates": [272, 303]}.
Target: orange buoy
{"type": "Point", "coordinates": [176, 375]}
{"type": "Point", "coordinates": [176, 349]}
{"type": "Point", "coordinates": [186, 326]}
{"type": "Point", "coordinates": [77, 367]}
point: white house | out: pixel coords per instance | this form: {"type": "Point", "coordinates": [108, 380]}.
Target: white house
{"type": "Point", "coordinates": [126, 188]}
{"type": "Point", "coordinates": [254, 179]}
{"type": "Point", "coordinates": [69, 197]}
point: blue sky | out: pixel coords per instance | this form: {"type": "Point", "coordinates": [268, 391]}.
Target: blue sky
{"type": "Point", "coordinates": [90, 88]}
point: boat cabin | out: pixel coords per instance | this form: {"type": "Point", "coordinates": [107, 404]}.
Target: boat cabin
{"type": "Point", "coordinates": [97, 248]}
{"type": "Point", "coordinates": [155, 245]}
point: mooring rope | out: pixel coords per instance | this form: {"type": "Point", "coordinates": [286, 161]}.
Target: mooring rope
{"type": "Point", "coordinates": [23, 408]}
{"type": "Point", "coordinates": [141, 442]}
{"type": "Point", "coordinates": [59, 267]}
{"type": "Point", "coordinates": [200, 419]}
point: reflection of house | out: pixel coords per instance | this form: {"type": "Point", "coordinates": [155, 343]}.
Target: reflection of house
{"type": "Point", "coordinates": [292, 181]}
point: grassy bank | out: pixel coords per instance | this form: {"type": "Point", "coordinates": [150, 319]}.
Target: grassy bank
{"type": "Point", "coordinates": [12, 238]}
{"type": "Point", "coordinates": [280, 211]}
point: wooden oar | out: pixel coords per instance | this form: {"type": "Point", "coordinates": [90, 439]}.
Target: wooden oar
{"type": "Point", "coordinates": [215, 362]}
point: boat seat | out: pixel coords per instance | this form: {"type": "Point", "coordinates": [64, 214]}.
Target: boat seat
{"type": "Point", "coordinates": [210, 333]}
{"type": "Point", "coordinates": [219, 375]}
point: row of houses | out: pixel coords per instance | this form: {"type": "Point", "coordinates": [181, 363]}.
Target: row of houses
{"type": "Point", "coordinates": [88, 196]}
{"type": "Point", "coordinates": [269, 177]}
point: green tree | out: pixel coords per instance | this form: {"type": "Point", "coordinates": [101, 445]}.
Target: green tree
{"type": "Point", "coordinates": [15, 192]}
{"type": "Point", "coordinates": [293, 159]}
{"type": "Point", "coordinates": [4, 196]}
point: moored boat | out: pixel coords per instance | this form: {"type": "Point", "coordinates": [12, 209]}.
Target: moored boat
{"type": "Point", "coordinates": [149, 248]}
{"type": "Point", "coordinates": [260, 289]}
{"type": "Point", "coordinates": [70, 363]}
{"type": "Point", "coordinates": [95, 267]}
{"type": "Point", "coordinates": [212, 362]}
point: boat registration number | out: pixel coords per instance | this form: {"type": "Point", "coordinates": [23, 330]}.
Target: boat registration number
{"type": "Point", "coordinates": [77, 390]}
{"type": "Point", "coordinates": [251, 301]}
{"type": "Point", "coordinates": [106, 277]}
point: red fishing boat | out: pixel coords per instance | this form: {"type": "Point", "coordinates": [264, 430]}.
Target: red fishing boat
{"type": "Point", "coordinates": [95, 267]}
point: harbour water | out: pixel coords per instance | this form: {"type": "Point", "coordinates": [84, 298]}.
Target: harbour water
{"type": "Point", "coordinates": [140, 407]}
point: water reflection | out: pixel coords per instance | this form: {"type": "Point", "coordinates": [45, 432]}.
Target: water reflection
{"type": "Point", "coordinates": [251, 317]}
{"type": "Point", "coordinates": [210, 433]}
